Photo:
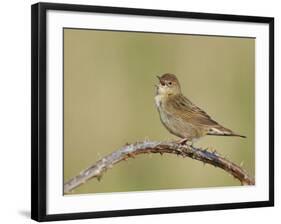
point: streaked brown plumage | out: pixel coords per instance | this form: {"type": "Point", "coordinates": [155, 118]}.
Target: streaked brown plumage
{"type": "Point", "coordinates": [180, 116]}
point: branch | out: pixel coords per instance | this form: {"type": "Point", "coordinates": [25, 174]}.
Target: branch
{"type": "Point", "coordinates": [146, 147]}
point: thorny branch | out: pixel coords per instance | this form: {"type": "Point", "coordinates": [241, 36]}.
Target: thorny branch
{"type": "Point", "coordinates": [146, 147]}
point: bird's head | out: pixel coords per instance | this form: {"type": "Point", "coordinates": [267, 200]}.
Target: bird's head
{"type": "Point", "coordinates": [168, 85]}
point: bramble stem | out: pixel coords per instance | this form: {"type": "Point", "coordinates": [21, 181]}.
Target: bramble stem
{"type": "Point", "coordinates": [131, 150]}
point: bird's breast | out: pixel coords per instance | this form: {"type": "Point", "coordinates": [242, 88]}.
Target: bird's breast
{"type": "Point", "coordinates": [160, 102]}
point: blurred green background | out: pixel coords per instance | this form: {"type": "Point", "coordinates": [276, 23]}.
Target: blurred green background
{"type": "Point", "coordinates": [109, 93]}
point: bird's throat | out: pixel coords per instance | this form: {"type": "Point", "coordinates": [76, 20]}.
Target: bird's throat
{"type": "Point", "coordinates": [158, 100]}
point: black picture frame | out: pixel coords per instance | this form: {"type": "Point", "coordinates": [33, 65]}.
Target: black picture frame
{"type": "Point", "coordinates": [38, 108]}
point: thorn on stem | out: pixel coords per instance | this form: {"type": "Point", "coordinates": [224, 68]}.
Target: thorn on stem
{"type": "Point", "coordinates": [131, 155]}
{"type": "Point", "coordinates": [99, 177]}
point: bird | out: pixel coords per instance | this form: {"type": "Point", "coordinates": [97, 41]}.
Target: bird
{"type": "Point", "coordinates": [182, 117]}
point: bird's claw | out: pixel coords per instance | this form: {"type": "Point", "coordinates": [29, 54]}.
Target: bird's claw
{"type": "Point", "coordinates": [182, 141]}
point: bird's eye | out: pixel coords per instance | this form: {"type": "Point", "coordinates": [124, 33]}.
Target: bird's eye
{"type": "Point", "coordinates": [169, 83]}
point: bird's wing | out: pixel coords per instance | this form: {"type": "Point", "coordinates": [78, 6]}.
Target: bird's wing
{"type": "Point", "coordinates": [186, 110]}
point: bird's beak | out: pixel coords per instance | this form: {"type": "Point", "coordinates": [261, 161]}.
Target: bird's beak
{"type": "Point", "coordinates": [160, 80]}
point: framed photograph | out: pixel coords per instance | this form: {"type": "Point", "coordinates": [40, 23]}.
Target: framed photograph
{"type": "Point", "coordinates": [140, 111]}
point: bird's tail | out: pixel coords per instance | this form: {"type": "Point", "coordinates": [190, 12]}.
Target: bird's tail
{"type": "Point", "coordinates": [222, 131]}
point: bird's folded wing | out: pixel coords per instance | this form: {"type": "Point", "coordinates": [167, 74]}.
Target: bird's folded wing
{"type": "Point", "coordinates": [184, 109]}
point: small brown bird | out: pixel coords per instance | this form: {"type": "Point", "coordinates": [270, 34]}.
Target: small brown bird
{"type": "Point", "coordinates": [180, 116]}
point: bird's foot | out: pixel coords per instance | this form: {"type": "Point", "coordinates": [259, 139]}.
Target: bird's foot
{"type": "Point", "coordinates": [182, 141]}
